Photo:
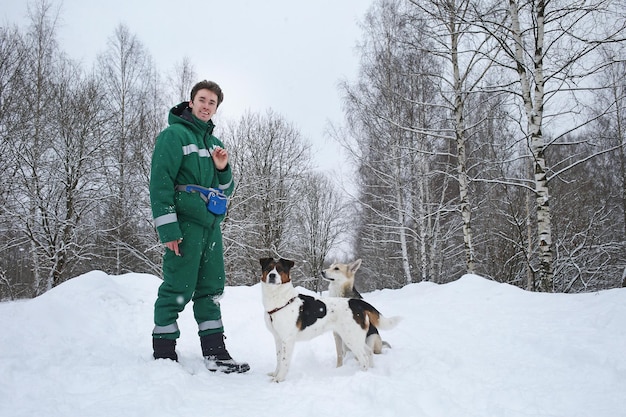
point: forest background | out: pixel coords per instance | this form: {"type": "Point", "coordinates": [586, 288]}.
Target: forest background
{"type": "Point", "coordinates": [486, 138]}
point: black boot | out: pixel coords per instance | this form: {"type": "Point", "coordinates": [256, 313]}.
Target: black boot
{"type": "Point", "coordinates": [217, 358]}
{"type": "Point", "coordinates": [164, 349]}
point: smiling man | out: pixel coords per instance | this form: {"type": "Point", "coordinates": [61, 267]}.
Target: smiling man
{"type": "Point", "coordinates": [190, 171]}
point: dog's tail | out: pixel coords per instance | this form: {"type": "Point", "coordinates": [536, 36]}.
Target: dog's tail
{"type": "Point", "coordinates": [375, 317]}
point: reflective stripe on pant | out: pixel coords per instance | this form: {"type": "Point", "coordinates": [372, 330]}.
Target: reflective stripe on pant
{"type": "Point", "coordinates": [197, 275]}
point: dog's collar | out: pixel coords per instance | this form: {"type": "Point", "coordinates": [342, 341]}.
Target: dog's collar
{"type": "Point", "coordinates": [280, 308]}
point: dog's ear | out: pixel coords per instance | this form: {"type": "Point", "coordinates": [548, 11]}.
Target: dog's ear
{"type": "Point", "coordinates": [265, 262]}
{"type": "Point", "coordinates": [286, 263]}
{"type": "Point", "coordinates": [355, 265]}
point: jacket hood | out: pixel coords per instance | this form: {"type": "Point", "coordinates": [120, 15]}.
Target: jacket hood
{"type": "Point", "coordinates": [181, 113]}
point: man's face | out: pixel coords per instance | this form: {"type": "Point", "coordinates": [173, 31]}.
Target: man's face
{"type": "Point", "coordinates": [204, 104]}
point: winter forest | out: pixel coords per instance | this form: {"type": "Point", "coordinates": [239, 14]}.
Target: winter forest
{"type": "Point", "coordinates": [488, 137]}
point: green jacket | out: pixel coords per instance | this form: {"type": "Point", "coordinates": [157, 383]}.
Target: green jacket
{"type": "Point", "coordinates": [182, 155]}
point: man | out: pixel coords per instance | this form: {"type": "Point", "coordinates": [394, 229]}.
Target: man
{"type": "Point", "coordinates": [187, 161]}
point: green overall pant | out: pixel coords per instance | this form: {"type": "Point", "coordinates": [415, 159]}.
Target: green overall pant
{"type": "Point", "coordinates": [198, 275]}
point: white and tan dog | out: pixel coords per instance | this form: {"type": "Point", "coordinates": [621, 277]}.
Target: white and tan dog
{"type": "Point", "coordinates": [292, 317]}
{"type": "Point", "coordinates": [340, 279]}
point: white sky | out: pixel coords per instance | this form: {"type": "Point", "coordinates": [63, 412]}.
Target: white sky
{"type": "Point", "coordinates": [287, 55]}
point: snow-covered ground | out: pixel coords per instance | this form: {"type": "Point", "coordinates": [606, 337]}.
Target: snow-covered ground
{"type": "Point", "coordinates": [469, 348]}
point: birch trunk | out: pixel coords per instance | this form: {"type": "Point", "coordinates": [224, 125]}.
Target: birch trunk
{"type": "Point", "coordinates": [403, 241]}
{"type": "Point", "coordinates": [466, 211]}
{"type": "Point", "coordinates": [619, 111]}
{"type": "Point", "coordinates": [623, 167]}
{"type": "Point", "coordinates": [398, 186]}
{"type": "Point", "coordinates": [533, 107]}
{"type": "Point", "coordinates": [423, 225]}
{"type": "Point", "coordinates": [530, 274]}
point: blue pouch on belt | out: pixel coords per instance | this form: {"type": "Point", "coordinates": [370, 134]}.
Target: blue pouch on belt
{"type": "Point", "coordinates": [216, 201]}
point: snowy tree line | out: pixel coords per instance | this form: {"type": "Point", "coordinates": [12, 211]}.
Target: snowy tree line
{"type": "Point", "coordinates": [488, 138]}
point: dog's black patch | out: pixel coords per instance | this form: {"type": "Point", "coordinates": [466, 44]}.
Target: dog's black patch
{"type": "Point", "coordinates": [355, 294]}
{"type": "Point", "coordinates": [359, 307]}
{"type": "Point", "coordinates": [311, 310]}
{"type": "Point", "coordinates": [282, 265]}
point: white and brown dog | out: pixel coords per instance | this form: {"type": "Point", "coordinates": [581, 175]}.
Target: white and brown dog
{"type": "Point", "coordinates": [292, 317]}
{"type": "Point", "coordinates": [340, 279]}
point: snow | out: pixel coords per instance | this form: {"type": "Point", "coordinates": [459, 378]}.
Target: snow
{"type": "Point", "coordinates": [469, 348]}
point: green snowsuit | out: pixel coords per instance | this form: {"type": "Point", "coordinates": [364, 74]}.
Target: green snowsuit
{"type": "Point", "coordinates": [182, 156]}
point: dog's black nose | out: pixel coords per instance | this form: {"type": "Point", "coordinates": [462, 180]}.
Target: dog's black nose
{"type": "Point", "coordinates": [272, 276]}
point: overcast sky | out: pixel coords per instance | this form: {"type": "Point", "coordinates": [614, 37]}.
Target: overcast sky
{"type": "Point", "coordinates": [287, 55]}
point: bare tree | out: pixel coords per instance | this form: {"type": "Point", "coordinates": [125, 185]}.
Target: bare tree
{"type": "Point", "coordinates": [73, 177]}
{"type": "Point", "coordinates": [55, 155]}
{"type": "Point", "coordinates": [610, 109]}
{"type": "Point", "coordinates": [12, 55]}
{"type": "Point", "coordinates": [128, 80]}
{"type": "Point", "coordinates": [270, 159]}
{"type": "Point", "coordinates": [31, 136]}
{"type": "Point", "coordinates": [318, 223]}
{"type": "Point", "coordinates": [12, 58]}
{"type": "Point", "coordinates": [181, 80]}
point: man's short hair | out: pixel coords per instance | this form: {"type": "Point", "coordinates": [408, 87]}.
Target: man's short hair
{"type": "Point", "coordinates": [211, 86]}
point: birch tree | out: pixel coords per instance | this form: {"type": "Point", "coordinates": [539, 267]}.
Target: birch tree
{"type": "Point", "coordinates": [384, 145]}
{"type": "Point", "coordinates": [550, 46]}
{"type": "Point", "coordinates": [466, 54]}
